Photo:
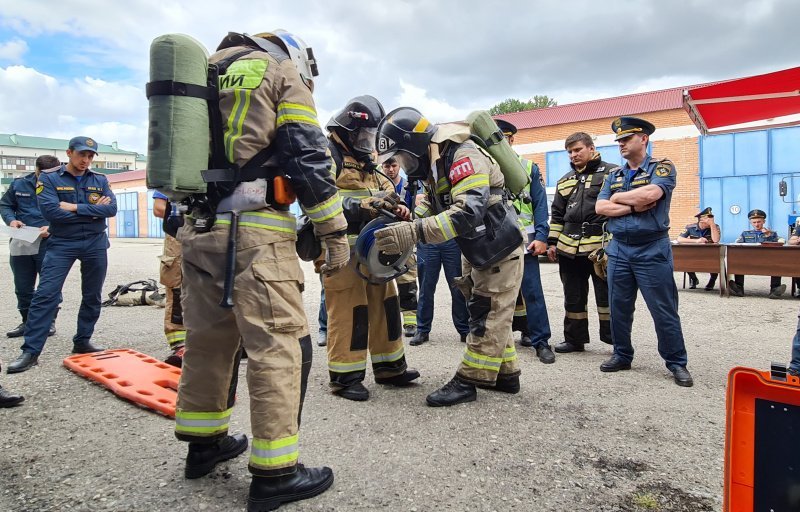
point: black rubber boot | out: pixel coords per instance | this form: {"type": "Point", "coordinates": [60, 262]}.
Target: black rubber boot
{"type": "Point", "coordinates": [268, 493]}
{"type": "Point", "coordinates": [356, 392]}
{"type": "Point", "coordinates": [202, 458]}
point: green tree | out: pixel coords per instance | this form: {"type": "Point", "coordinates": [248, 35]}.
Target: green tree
{"type": "Point", "coordinates": [514, 105]}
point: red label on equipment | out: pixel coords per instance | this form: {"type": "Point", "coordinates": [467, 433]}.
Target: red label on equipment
{"type": "Point", "coordinates": [460, 170]}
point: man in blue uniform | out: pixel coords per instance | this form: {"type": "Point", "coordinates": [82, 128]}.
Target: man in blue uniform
{"type": "Point", "coordinates": [636, 199]}
{"type": "Point", "coordinates": [530, 312]}
{"type": "Point", "coordinates": [704, 231]}
{"type": "Point", "coordinates": [76, 201]}
{"type": "Point", "coordinates": [19, 208]}
{"type": "Point", "coordinates": [758, 234]}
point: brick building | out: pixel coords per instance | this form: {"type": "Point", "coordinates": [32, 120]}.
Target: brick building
{"type": "Point", "coordinates": [542, 133]}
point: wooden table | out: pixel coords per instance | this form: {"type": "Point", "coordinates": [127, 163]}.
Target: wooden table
{"type": "Point", "coordinates": [761, 260]}
{"type": "Point", "coordinates": [702, 258]}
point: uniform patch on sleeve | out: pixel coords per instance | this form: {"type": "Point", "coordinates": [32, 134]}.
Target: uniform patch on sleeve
{"type": "Point", "coordinates": [663, 170]}
{"type": "Point", "coordinates": [460, 170]}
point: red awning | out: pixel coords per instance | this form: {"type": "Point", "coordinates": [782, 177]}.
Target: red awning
{"type": "Point", "coordinates": [744, 100]}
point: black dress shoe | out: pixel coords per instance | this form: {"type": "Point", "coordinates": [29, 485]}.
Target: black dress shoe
{"type": "Point", "coordinates": [419, 338]}
{"type": "Point", "coordinates": [24, 362]}
{"type": "Point", "coordinates": [269, 493]}
{"type": "Point", "coordinates": [409, 330]}
{"type": "Point", "coordinates": [682, 376]}
{"type": "Point", "coordinates": [404, 379]}
{"type": "Point", "coordinates": [565, 347]}
{"type": "Point", "coordinates": [463, 338]}
{"type": "Point", "coordinates": [202, 458]}
{"type": "Point", "coordinates": [525, 341]}
{"type": "Point", "coordinates": [693, 281]}
{"type": "Point", "coordinates": [545, 355]}
{"type": "Point", "coordinates": [615, 364]}
{"type": "Point", "coordinates": [8, 399]}
{"type": "Point", "coordinates": [17, 331]}
{"type": "Point", "coordinates": [712, 283]}
{"type": "Point", "coordinates": [454, 392]}
{"type": "Point", "coordinates": [734, 289]}
{"type": "Point", "coordinates": [86, 348]}
{"type": "Point", "coordinates": [356, 392]}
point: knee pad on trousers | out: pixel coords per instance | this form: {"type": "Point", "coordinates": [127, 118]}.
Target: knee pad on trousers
{"type": "Point", "coordinates": [479, 308]}
{"type": "Point", "coordinates": [394, 322]}
{"type": "Point", "coordinates": [360, 335]}
{"type": "Point", "coordinates": [306, 355]}
{"type": "Point", "coordinates": [176, 315]}
{"type": "Point", "coordinates": [234, 378]}
{"type": "Point", "coordinates": [407, 294]}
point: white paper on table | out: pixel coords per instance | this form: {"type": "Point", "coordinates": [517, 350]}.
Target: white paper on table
{"type": "Point", "coordinates": [25, 233]}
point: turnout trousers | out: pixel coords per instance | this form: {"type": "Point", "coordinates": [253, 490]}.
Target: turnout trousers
{"type": "Point", "coordinates": [171, 277]}
{"type": "Point", "coordinates": [267, 319]}
{"type": "Point", "coordinates": [407, 293]}
{"type": "Point", "coordinates": [575, 275]}
{"type": "Point", "coordinates": [492, 292]}
{"type": "Point", "coordinates": [646, 267]}
{"type": "Point", "coordinates": [362, 317]}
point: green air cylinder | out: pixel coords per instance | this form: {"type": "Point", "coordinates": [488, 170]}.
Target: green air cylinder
{"type": "Point", "coordinates": [483, 126]}
{"type": "Point", "coordinates": [178, 138]}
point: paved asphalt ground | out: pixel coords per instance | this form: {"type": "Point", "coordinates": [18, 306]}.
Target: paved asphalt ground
{"type": "Point", "coordinates": [573, 439]}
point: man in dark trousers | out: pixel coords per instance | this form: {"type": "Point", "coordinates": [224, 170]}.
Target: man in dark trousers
{"type": "Point", "coordinates": [636, 199]}
{"type": "Point", "coordinates": [76, 201]}
{"type": "Point", "coordinates": [576, 230]}
{"type": "Point", "coordinates": [19, 208]}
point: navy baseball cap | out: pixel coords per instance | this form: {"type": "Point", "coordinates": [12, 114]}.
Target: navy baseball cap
{"type": "Point", "coordinates": [83, 144]}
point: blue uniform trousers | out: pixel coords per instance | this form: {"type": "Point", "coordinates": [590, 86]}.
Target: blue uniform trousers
{"type": "Point", "coordinates": [61, 255]}
{"type": "Point", "coordinates": [535, 307]}
{"type": "Point", "coordinates": [430, 260]}
{"type": "Point", "coordinates": [646, 267]}
{"type": "Point", "coordinates": [25, 270]}
{"type": "Point", "coordinates": [322, 316]}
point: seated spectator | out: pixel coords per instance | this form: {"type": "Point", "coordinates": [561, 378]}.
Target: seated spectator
{"type": "Point", "coordinates": [795, 240]}
{"type": "Point", "coordinates": [757, 235]}
{"type": "Point", "coordinates": [704, 231]}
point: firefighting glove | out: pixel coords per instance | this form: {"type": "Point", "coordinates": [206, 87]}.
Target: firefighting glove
{"type": "Point", "coordinates": [396, 237]}
{"type": "Point", "coordinates": [337, 254]}
{"type": "Point", "coordinates": [381, 200]}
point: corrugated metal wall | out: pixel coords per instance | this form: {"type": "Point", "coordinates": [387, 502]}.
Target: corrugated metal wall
{"type": "Point", "coordinates": [740, 172]}
{"type": "Point", "coordinates": [128, 215]}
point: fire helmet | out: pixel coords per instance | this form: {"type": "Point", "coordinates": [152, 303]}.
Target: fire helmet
{"type": "Point", "coordinates": [404, 134]}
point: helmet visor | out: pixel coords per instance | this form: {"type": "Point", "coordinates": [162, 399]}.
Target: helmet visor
{"type": "Point", "coordinates": [363, 140]}
{"type": "Point", "coordinates": [408, 162]}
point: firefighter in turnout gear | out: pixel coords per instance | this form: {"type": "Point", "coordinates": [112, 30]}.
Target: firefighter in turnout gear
{"type": "Point", "coordinates": [530, 313]}
{"type": "Point", "coordinates": [467, 202]}
{"type": "Point", "coordinates": [575, 231]}
{"type": "Point", "coordinates": [363, 315]}
{"type": "Point", "coordinates": [266, 105]}
{"type": "Point", "coordinates": [170, 276]}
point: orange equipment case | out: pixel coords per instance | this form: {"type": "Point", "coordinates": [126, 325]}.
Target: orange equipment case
{"type": "Point", "coordinates": [762, 441]}
{"type": "Point", "coordinates": [132, 375]}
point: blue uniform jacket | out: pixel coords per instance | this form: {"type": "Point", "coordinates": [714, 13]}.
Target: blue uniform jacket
{"type": "Point", "coordinates": [644, 227]}
{"type": "Point", "coordinates": [19, 202]}
{"type": "Point", "coordinates": [90, 219]}
{"type": "Point", "coordinates": [694, 231]}
{"type": "Point", "coordinates": [539, 201]}
{"type": "Point", "coordinates": [751, 236]}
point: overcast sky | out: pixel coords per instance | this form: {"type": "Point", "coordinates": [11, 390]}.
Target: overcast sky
{"type": "Point", "coordinates": [72, 67]}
